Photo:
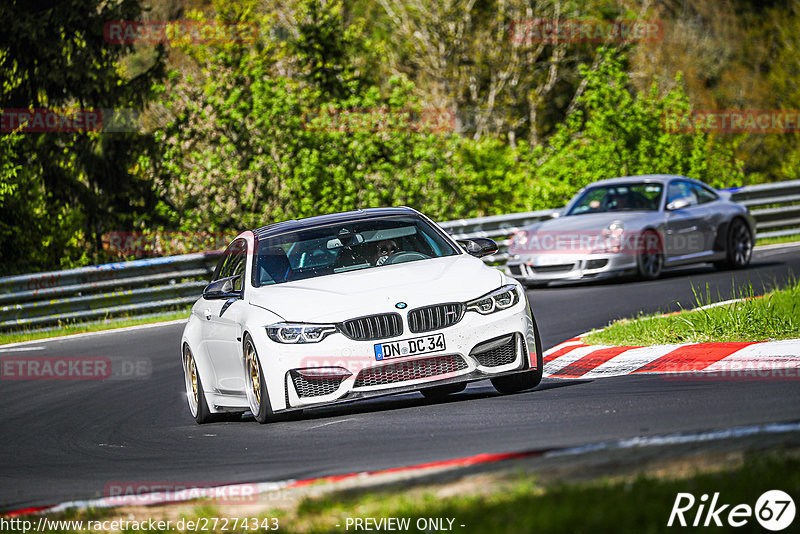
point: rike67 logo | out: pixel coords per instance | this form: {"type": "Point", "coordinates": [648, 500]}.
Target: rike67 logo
{"type": "Point", "coordinates": [774, 510]}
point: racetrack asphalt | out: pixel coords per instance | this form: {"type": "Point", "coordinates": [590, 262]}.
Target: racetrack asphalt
{"type": "Point", "coordinates": [65, 440]}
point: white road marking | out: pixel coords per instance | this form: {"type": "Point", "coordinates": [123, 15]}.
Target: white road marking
{"type": "Point", "coordinates": [677, 439]}
{"type": "Point", "coordinates": [22, 349]}
{"type": "Point", "coordinates": [792, 244]}
{"type": "Point", "coordinates": [329, 423]}
{"type": "Point", "coordinates": [97, 333]}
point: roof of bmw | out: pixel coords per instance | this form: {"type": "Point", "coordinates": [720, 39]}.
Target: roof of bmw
{"type": "Point", "coordinates": [320, 220]}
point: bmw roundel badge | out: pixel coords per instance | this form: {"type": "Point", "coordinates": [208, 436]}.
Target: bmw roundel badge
{"type": "Point", "coordinates": [401, 305]}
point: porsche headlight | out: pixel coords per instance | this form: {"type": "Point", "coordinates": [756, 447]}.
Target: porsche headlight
{"type": "Point", "coordinates": [499, 299]}
{"type": "Point", "coordinates": [615, 228]}
{"type": "Point", "coordinates": [611, 239]}
{"type": "Point", "coordinates": [299, 332]}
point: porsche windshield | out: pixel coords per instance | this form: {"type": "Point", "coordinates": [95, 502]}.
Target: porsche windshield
{"type": "Point", "coordinates": [618, 197]}
{"type": "Point", "coordinates": [346, 246]}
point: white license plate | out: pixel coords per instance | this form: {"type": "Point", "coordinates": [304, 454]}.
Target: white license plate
{"type": "Point", "coordinates": [410, 347]}
{"type": "Point", "coordinates": [548, 260]}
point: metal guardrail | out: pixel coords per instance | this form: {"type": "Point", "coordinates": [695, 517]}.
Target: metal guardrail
{"type": "Point", "coordinates": [775, 211]}
{"type": "Point", "coordinates": [33, 301]}
{"type": "Point", "coordinates": [131, 287]}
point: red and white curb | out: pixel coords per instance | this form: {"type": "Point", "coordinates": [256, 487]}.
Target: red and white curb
{"type": "Point", "coordinates": [764, 359]}
{"type": "Point", "coordinates": [744, 360]}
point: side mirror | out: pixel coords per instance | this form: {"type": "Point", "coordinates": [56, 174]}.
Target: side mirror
{"type": "Point", "coordinates": [677, 204]}
{"type": "Point", "coordinates": [478, 246]}
{"type": "Point", "coordinates": [224, 288]}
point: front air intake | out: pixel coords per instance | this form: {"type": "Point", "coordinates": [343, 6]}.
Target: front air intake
{"type": "Point", "coordinates": [372, 327]}
{"type": "Point", "coordinates": [435, 317]}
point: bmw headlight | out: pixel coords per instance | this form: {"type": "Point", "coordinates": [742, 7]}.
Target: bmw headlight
{"type": "Point", "coordinates": [299, 332]}
{"type": "Point", "coordinates": [499, 299]}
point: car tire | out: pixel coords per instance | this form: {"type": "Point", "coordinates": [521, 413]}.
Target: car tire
{"type": "Point", "coordinates": [195, 396]}
{"type": "Point", "coordinates": [526, 380]}
{"type": "Point", "coordinates": [255, 385]}
{"type": "Point", "coordinates": [440, 392]}
{"type": "Point", "coordinates": [650, 260]}
{"type": "Point", "coordinates": [738, 246]}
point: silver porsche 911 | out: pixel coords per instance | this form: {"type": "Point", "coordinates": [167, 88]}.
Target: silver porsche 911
{"type": "Point", "coordinates": [634, 224]}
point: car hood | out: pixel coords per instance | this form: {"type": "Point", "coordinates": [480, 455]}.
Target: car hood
{"type": "Point", "coordinates": [594, 222]}
{"type": "Point", "coordinates": [579, 234]}
{"type": "Point", "coordinates": [342, 296]}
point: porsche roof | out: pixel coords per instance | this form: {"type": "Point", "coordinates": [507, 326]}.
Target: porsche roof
{"type": "Point", "coordinates": [651, 178]}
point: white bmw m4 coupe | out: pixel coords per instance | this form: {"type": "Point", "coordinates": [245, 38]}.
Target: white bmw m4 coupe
{"type": "Point", "coordinates": [340, 307]}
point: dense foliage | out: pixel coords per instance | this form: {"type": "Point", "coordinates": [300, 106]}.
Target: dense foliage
{"type": "Point", "coordinates": [248, 146]}
{"type": "Point", "coordinates": [341, 105]}
{"type": "Point", "coordinates": [61, 191]}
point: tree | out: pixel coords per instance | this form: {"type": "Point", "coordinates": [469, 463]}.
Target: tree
{"type": "Point", "coordinates": [53, 55]}
{"type": "Point", "coordinates": [258, 134]}
{"type": "Point", "coordinates": [482, 60]}
{"type": "Point", "coordinates": [617, 131]}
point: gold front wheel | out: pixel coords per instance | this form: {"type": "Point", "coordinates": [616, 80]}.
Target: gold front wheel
{"type": "Point", "coordinates": [254, 377]}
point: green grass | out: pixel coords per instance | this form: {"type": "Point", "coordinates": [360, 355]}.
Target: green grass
{"type": "Point", "coordinates": [15, 336]}
{"type": "Point", "coordinates": [637, 506]}
{"type": "Point", "coordinates": [777, 240]}
{"type": "Point", "coordinates": [776, 315]}
{"type": "Point", "coordinates": [634, 505]}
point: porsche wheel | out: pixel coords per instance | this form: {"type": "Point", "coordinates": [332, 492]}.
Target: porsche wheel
{"type": "Point", "coordinates": [650, 260]}
{"type": "Point", "coordinates": [194, 389]}
{"type": "Point", "coordinates": [739, 247]}
{"type": "Point", "coordinates": [256, 386]}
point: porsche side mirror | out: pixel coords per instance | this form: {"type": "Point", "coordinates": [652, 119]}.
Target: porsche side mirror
{"type": "Point", "coordinates": [478, 246]}
{"type": "Point", "coordinates": [677, 204]}
{"type": "Point", "coordinates": [224, 288]}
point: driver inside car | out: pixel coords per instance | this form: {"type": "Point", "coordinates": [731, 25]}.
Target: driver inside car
{"type": "Point", "coordinates": [383, 249]}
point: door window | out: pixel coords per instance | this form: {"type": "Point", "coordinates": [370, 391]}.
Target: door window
{"type": "Point", "coordinates": [704, 194]}
{"type": "Point", "coordinates": [680, 190]}
{"type": "Point", "coordinates": [233, 262]}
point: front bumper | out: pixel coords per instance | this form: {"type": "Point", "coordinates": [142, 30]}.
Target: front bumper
{"type": "Point", "coordinates": [545, 268]}
{"type": "Point", "coordinates": [340, 370]}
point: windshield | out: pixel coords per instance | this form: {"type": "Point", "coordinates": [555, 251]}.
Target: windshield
{"type": "Point", "coordinates": [347, 246]}
{"type": "Point", "coordinates": [619, 197]}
